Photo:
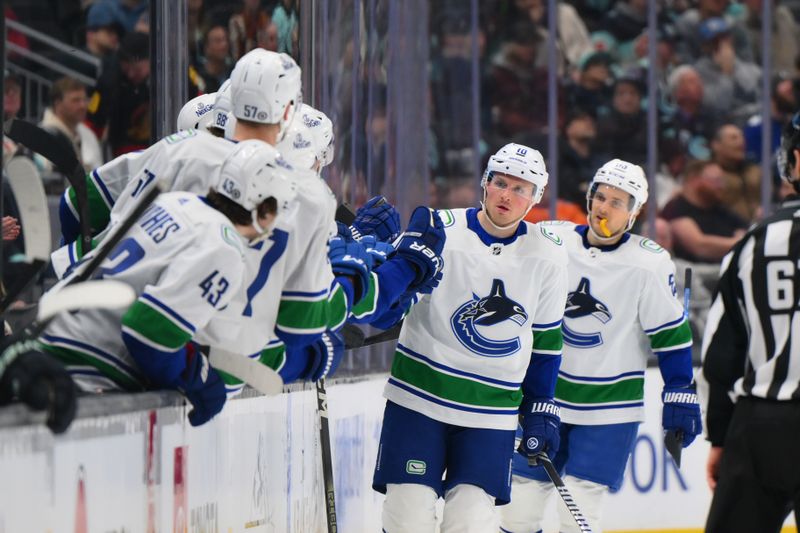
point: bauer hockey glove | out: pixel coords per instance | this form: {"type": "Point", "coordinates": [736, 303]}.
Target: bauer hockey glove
{"type": "Point", "coordinates": [540, 419]}
{"type": "Point", "coordinates": [39, 381]}
{"type": "Point", "coordinates": [681, 412]}
{"type": "Point", "coordinates": [351, 259]}
{"type": "Point", "coordinates": [379, 251]}
{"type": "Point", "coordinates": [422, 244]}
{"type": "Point", "coordinates": [202, 386]}
{"type": "Point", "coordinates": [379, 218]}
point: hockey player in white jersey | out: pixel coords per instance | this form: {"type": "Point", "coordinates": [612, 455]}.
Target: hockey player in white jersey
{"type": "Point", "coordinates": [184, 259]}
{"type": "Point", "coordinates": [485, 346]}
{"type": "Point", "coordinates": [621, 308]}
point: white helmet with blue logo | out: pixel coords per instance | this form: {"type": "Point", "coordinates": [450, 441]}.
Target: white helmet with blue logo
{"type": "Point", "coordinates": [521, 162]}
{"type": "Point", "coordinates": [624, 176]}
{"type": "Point", "coordinates": [197, 113]}
{"type": "Point", "coordinates": [253, 172]}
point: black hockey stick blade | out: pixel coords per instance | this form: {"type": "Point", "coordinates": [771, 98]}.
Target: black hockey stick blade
{"type": "Point", "coordinates": [58, 150]}
{"type": "Point", "coordinates": [345, 214]}
{"type": "Point", "coordinates": [26, 185]}
{"type": "Point", "coordinates": [673, 442]}
{"type": "Point", "coordinates": [353, 336]}
{"type": "Point", "coordinates": [552, 473]}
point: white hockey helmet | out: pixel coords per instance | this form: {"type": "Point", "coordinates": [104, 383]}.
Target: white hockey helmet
{"type": "Point", "coordinates": [298, 146]}
{"type": "Point", "coordinates": [321, 129]}
{"type": "Point", "coordinates": [624, 176]}
{"type": "Point", "coordinates": [197, 113]}
{"type": "Point", "coordinates": [521, 162]}
{"type": "Point", "coordinates": [253, 172]}
{"type": "Point", "coordinates": [222, 117]}
{"type": "Point", "coordinates": [263, 84]}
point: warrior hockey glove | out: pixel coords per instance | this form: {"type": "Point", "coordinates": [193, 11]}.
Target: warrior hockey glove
{"type": "Point", "coordinates": [379, 251]}
{"type": "Point", "coordinates": [40, 382]}
{"type": "Point", "coordinates": [681, 412]}
{"type": "Point", "coordinates": [540, 419]}
{"type": "Point", "coordinates": [202, 386]}
{"type": "Point", "coordinates": [422, 244]}
{"type": "Point", "coordinates": [351, 259]}
{"type": "Point", "coordinates": [379, 218]}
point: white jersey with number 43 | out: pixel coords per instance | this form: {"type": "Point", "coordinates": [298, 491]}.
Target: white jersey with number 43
{"type": "Point", "coordinates": [184, 261]}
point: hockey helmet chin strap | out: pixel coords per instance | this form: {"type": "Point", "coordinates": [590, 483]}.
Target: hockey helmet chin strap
{"type": "Point", "coordinates": [489, 217]}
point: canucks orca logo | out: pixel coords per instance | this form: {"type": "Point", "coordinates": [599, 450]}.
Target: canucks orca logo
{"type": "Point", "coordinates": [581, 303]}
{"type": "Point", "coordinates": [488, 311]}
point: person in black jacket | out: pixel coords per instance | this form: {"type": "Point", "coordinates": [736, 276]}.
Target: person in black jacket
{"type": "Point", "coordinates": [751, 369]}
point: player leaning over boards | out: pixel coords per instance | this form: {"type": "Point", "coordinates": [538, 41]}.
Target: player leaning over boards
{"type": "Point", "coordinates": [621, 307]}
{"type": "Point", "coordinates": [486, 340]}
{"type": "Point", "coordinates": [184, 260]}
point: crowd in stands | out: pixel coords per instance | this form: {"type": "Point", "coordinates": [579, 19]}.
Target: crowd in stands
{"type": "Point", "coordinates": [709, 92]}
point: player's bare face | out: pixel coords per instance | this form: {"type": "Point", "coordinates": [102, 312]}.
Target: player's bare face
{"type": "Point", "coordinates": [508, 198]}
{"type": "Point", "coordinates": [610, 211]}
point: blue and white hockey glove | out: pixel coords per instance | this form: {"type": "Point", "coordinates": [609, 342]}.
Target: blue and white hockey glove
{"type": "Point", "coordinates": [351, 259]}
{"type": "Point", "coordinates": [202, 386]}
{"type": "Point", "coordinates": [681, 412]}
{"type": "Point", "coordinates": [379, 218]}
{"type": "Point", "coordinates": [315, 361]}
{"type": "Point", "coordinates": [422, 244]}
{"type": "Point", "coordinates": [380, 251]}
{"type": "Point", "coordinates": [540, 419]}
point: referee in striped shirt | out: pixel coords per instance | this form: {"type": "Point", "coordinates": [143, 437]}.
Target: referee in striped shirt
{"type": "Point", "coordinates": [751, 352]}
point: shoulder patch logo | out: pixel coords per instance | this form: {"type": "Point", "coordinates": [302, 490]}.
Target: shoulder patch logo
{"type": "Point", "coordinates": [485, 312]}
{"type": "Point", "coordinates": [581, 303]}
{"type": "Point", "coordinates": [651, 246]}
{"type": "Point", "coordinates": [551, 235]}
{"type": "Point", "coordinates": [179, 136]}
{"type": "Point", "coordinates": [447, 217]}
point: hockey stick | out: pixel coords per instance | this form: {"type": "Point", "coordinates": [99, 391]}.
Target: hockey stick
{"type": "Point", "coordinates": [85, 269]}
{"type": "Point", "coordinates": [327, 461]}
{"type": "Point", "coordinates": [572, 507]}
{"type": "Point", "coordinates": [259, 376]}
{"type": "Point", "coordinates": [673, 439]}
{"type": "Point", "coordinates": [26, 185]}
{"type": "Point", "coordinates": [58, 150]}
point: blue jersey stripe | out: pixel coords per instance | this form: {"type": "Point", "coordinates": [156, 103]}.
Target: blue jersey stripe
{"type": "Point", "coordinates": [456, 371]}
{"type": "Point", "coordinates": [185, 323]}
{"type": "Point", "coordinates": [599, 407]}
{"type": "Point", "coordinates": [551, 325]}
{"type": "Point", "coordinates": [103, 189]}
{"type": "Point", "coordinates": [303, 294]}
{"type": "Point", "coordinates": [667, 325]}
{"type": "Point", "coordinates": [636, 373]}
{"type": "Point", "coordinates": [444, 403]}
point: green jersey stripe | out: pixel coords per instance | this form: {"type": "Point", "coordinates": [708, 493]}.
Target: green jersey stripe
{"type": "Point", "coordinates": [337, 308]}
{"type": "Point", "coordinates": [99, 210]}
{"type": "Point", "coordinates": [584, 393]}
{"type": "Point", "coordinates": [548, 341]}
{"type": "Point", "coordinates": [672, 337]}
{"type": "Point", "coordinates": [300, 316]}
{"type": "Point", "coordinates": [155, 327]}
{"type": "Point", "coordinates": [452, 388]}
{"type": "Point", "coordinates": [368, 303]}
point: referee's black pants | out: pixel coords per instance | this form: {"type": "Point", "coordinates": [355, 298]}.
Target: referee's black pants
{"type": "Point", "coordinates": [759, 473]}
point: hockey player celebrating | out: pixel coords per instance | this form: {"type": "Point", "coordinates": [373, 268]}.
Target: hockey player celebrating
{"type": "Point", "coordinates": [621, 307]}
{"type": "Point", "coordinates": [184, 260]}
{"type": "Point", "coordinates": [487, 340]}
